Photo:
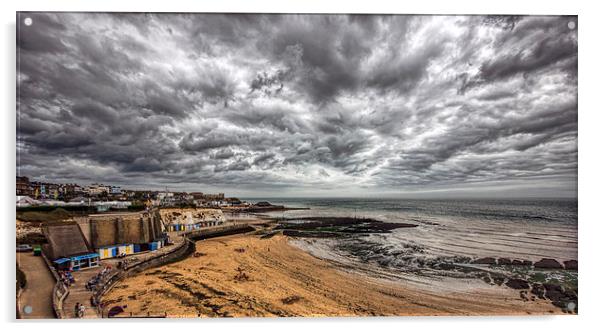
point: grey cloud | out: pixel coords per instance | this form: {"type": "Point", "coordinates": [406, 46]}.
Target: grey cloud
{"type": "Point", "coordinates": [192, 143]}
{"type": "Point", "coordinates": [223, 154]}
{"type": "Point", "coordinates": [276, 103]}
{"type": "Point", "coordinates": [535, 44]}
{"type": "Point", "coordinates": [40, 38]}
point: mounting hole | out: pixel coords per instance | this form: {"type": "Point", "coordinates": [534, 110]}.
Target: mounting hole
{"type": "Point", "coordinates": [571, 25]}
{"type": "Point", "coordinates": [27, 310]}
{"type": "Point", "coordinates": [28, 21]}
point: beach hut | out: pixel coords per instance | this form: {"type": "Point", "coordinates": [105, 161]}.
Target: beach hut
{"type": "Point", "coordinates": [79, 262]}
{"type": "Point", "coordinates": [108, 252]}
{"type": "Point", "coordinates": [125, 249]}
{"type": "Point", "coordinates": [103, 253]}
{"type": "Point", "coordinates": [155, 245]}
{"type": "Point", "coordinates": [84, 261]}
{"type": "Point", "coordinates": [62, 263]}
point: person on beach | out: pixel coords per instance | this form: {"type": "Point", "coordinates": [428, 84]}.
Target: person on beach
{"type": "Point", "coordinates": [82, 310]}
{"type": "Point", "coordinates": [76, 310]}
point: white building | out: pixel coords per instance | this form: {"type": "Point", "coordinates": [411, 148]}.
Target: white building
{"type": "Point", "coordinates": [96, 189]}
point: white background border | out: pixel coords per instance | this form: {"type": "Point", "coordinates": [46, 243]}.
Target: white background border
{"type": "Point", "coordinates": [590, 139]}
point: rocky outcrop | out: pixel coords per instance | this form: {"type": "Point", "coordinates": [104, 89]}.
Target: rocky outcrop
{"type": "Point", "coordinates": [484, 260]}
{"type": "Point", "coordinates": [548, 264]}
{"type": "Point", "coordinates": [504, 261]}
{"type": "Point", "coordinates": [517, 284]}
{"type": "Point", "coordinates": [560, 297]}
{"type": "Point", "coordinates": [487, 280]}
{"type": "Point", "coordinates": [525, 263]}
{"type": "Point", "coordinates": [498, 280]}
{"type": "Point", "coordinates": [570, 265]}
{"type": "Point", "coordinates": [538, 290]}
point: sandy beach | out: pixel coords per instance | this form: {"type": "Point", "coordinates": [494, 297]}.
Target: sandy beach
{"type": "Point", "coordinates": [245, 275]}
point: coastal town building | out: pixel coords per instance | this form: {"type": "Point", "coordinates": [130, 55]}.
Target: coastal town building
{"type": "Point", "coordinates": [105, 198]}
{"type": "Point", "coordinates": [23, 186]}
{"type": "Point", "coordinates": [97, 189]}
{"type": "Point", "coordinates": [189, 219]}
{"type": "Point", "coordinates": [114, 190]}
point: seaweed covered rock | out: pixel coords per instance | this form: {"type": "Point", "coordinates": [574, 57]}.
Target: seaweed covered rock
{"type": "Point", "coordinates": [538, 290]}
{"type": "Point", "coordinates": [561, 297]}
{"type": "Point", "coordinates": [517, 284]}
{"type": "Point", "coordinates": [570, 265]}
{"type": "Point", "coordinates": [484, 260]}
{"type": "Point", "coordinates": [498, 280]}
{"type": "Point", "coordinates": [548, 264]}
{"type": "Point", "coordinates": [487, 279]}
{"type": "Point", "coordinates": [525, 263]}
{"type": "Point", "coordinates": [504, 261]}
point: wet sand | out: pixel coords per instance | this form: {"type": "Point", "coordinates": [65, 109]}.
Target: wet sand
{"type": "Point", "coordinates": [244, 275]}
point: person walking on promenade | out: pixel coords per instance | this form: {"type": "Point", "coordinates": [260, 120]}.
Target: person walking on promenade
{"type": "Point", "coordinates": [82, 310]}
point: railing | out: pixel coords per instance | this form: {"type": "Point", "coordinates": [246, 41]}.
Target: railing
{"type": "Point", "coordinates": [19, 292]}
{"type": "Point", "coordinates": [59, 292]}
{"type": "Point", "coordinates": [218, 231]}
{"type": "Point", "coordinates": [184, 249]}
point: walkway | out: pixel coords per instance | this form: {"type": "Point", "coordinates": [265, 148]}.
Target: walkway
{"type": "Point", "coordinates": [79, 293]}
{"type": "Point", "coordinates": [37, 294]}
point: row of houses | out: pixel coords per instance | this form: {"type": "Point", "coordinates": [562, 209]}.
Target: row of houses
{"type": "Point", "coordinates": [71, 193]}
{"type": "Point", "coordinates": [101, 206]}
{"type": "Point", "coordinates": [44, 190]}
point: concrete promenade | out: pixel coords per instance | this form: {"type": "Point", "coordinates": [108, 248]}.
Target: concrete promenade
{"type": "Point", "coordinates": [36, 298]}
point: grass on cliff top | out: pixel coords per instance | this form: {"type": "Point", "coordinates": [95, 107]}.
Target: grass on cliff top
{"type": "Point", "coordinates": [56, 215]}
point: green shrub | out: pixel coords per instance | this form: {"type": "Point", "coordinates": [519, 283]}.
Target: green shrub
{"type": "Point", "coordinates": [58, 214]}
{"type": "Point", "coordinates": [21, 279]}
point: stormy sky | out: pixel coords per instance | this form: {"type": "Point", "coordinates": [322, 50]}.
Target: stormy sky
{"type": "Point", "coordinates": [300, 105]}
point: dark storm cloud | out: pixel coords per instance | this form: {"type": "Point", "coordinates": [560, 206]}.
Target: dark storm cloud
{"type": "Point", "coordinates": [531, 45]}
{"type": "Point", "coordinates": [43, 39]}
{"type": "Point", "coordinates": [191, 143]}
{"type": "Point", "coordinates": [299, 103]}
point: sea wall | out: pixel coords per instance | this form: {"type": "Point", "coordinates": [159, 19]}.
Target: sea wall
{"type": "Point", "coordinates": [103, 230]}
{"type": "Point", "coordinates": [219, 231]}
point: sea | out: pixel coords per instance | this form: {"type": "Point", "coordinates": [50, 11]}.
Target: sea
{"type": "Point", "coordinates": [457, 230]}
